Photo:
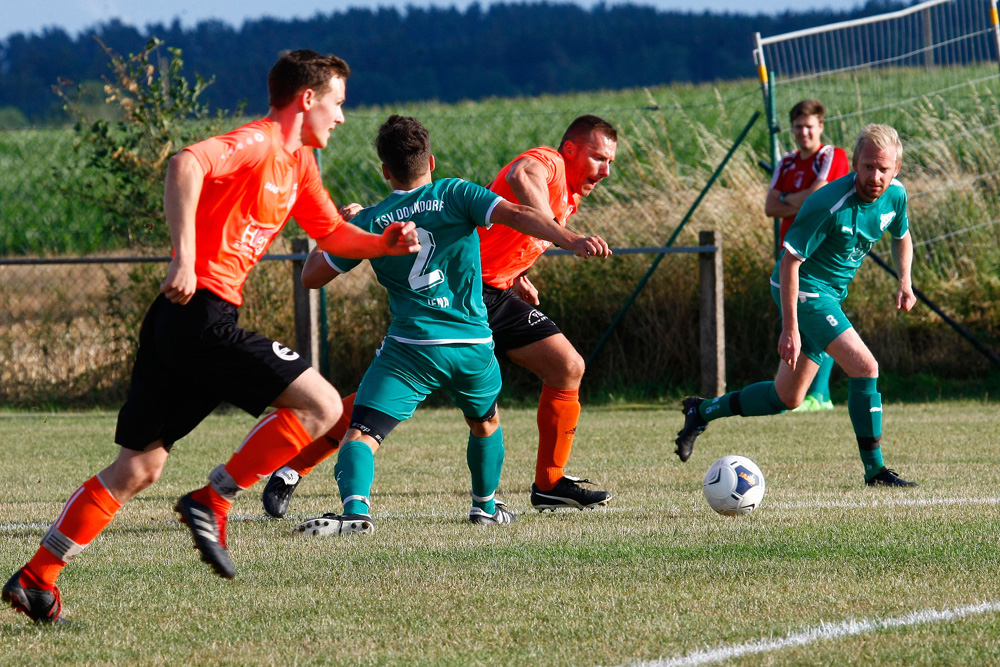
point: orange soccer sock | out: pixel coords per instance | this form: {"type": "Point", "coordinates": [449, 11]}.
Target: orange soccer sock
{"type": "Point", "coordinates": [87, 512]}
{"type": "Point", "coordinates": [320, 449]}
{"type": "Point", "coordinates": [276, 439]}
{"type": "Point", "coordinates": [558, 415]}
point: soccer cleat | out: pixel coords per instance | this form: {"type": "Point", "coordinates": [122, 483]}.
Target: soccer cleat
{"type": "Point", "coordinates": [693, 427]}
{"type": "Point", "coordinates": [811, 404]}
{"type": "Point", "coordinates": [336, 524]}
{"type": "Point", "coordinates": [887, 477]}
{"type": "Point", "coordinates": [209, 534]}
{"type": "Point", "coordinates": [501, 515]}
{"type": "Point", "coordinates": [40, 605]}
{"type": "Point", "coordinates": [826, 405]}
{"type": "Point", "coordinates": [278, 492]}
{"type": "Point", "coordinates": [568, 493]}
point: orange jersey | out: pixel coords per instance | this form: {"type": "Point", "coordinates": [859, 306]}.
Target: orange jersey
{"type": "Point", "coordinates": [252, 187]}
{"type": "Point", "coordinates": [508, 253]}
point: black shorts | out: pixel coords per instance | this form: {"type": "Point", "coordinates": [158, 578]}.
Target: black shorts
{"type": "Point", "coordinates": [514, 322]}
{"type": "Point", "coordinates": [190, 359]}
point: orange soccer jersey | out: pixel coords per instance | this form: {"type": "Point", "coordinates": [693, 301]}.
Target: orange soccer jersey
{"type": "Point", "coordinates": [252, 186]}
{"type": "Point", "coordinates": [507, 253]}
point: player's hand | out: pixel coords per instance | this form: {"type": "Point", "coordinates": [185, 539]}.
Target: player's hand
{"type": "Point", "coordinates": [348, 211]}
{"type": "Point", "coordinates": [525, 290]}
{"type": "Point", "coordinates": [401, 238]}
{"type": "Point", "coordinates": [590, 246]}
{"type": "Point", "coordinates": [789, 346]}
{"type": "Point", "coordinates": [180, 283]}
{"type": "Point", "coordinates": [905, 299]}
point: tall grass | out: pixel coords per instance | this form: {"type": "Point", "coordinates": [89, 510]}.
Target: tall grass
{"type": "Point", "coordinates": [671, 141]}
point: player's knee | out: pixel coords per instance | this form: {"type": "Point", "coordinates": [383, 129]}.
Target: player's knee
{"type": "Point", "coordinates": [574, 367]}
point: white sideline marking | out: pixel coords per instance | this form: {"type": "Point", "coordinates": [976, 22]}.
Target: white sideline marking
{"type": "Point", "coordinates": [823, 632]}
{"type": "Point", "coordinates": [896, 502]}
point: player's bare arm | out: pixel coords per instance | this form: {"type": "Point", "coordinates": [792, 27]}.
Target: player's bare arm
{"type": "Point", "coordinates": [316, 271]}
{"type": "Point", "coordinates": [790, 341]}
{"type": "Point", "coordinates": [527, 179]}
{"type": "Point", "coordinates": [775, 207]}
{"type": "Point", "coordinates": [348, 211]}
{"type": "Point", "coordinates": [902, 257]}
{"type": "Point", "coordinates": [525, 290]}
{"type": "Point", "coordinates": [184, 181]}
{"type": "Point", "coordinates": [350, 242]}
{"type": "Point", "coordinates": [533, 222]}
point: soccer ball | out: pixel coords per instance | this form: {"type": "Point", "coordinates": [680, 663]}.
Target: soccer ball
{"type": "Point", "coordinates": [734, 485]}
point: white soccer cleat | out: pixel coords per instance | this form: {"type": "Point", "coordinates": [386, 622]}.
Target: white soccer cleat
{"type": "Point", "coordinates": [336, 524]}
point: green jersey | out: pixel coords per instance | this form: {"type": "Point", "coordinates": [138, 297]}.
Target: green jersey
{"type": "Point", "coordinates": [435, 295]}
{"type": "Point", "coordinates": [835, 229]}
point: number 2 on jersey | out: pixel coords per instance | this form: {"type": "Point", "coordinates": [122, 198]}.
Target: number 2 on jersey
{"type": "Point", "coordinates": [418, 279]}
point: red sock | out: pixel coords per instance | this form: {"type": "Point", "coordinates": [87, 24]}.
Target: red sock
{"type": "Point", "coordinates": [558, 415]}
{"type": "Point", "coordinates": [87, 512]}
{"type": "Point", "coordinates": [276, 439]}
{"type": "Point", "coordinates": [318, 450]}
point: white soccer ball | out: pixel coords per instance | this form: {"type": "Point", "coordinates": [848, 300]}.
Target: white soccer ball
{"type": "Point", "coordinates": [734, 485]}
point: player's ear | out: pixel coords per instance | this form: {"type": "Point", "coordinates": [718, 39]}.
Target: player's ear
{"type": "Point", "coordinates": [306, 98]}
{"type": "Point", "coordinates": [385, 172]}
{"type": "Point", "coordinates": [569, 148]}
{"type": "Point", "coordinates": [431, 162]}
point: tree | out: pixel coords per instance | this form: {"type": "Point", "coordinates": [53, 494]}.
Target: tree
{"type": "Point", "coordinates": [149, 111]}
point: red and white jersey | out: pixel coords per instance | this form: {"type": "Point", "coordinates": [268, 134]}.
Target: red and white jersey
{"type": "Point", "coordinates": [252, 187]}
{"type": "Point", "coordinates": [508, 253]}
{"type": "Point", "coordinates": [795, 174]}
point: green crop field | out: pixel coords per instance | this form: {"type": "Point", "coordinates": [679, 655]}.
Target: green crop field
{"type": "Point", "coordinates": [826, 571]}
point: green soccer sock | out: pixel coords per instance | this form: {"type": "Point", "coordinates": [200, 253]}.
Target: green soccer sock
{"type": "Point", "coordinates": [485, 457]}
{"type": "Point", "coordinates": [355, 471]}
{"type": "Point", "coordinates": [864, 404]}
{"type": "Point", "coordinates": [820, 387]}
{"type": "Point", "coordinates": [755, 400]}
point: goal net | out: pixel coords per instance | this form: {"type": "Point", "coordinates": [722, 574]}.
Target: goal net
{"type": "Point", "coordinates": [931, 71]}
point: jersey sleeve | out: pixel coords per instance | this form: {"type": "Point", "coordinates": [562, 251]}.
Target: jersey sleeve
{"type": "Point", "coordinates": [474, 201]}
{"type": "Point", "coordinates": [313, 209]}
{"type": "Point", "coordinates": [811, 227]}
{"type": "Point", "coordinates": [838, 166]}
{"type": "Point", "coordinates": [362, 220]}
{"type": "Point", "coordinates": [777, 179]}
{"type": "Point", "coordinates": [339, 264]}
{"type": "Point", "coordinates": [227, 154]}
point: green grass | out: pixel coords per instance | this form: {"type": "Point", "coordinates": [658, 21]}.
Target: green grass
{"type": "Point", "coordinates": [657, 575]}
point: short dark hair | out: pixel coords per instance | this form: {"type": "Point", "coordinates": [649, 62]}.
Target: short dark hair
{"type": "Point", "coordinates": [581, 129]}
{"type": "Point", "coordinates": [807, 108]}
{"type": "Point", "coordinates": [298, 70]}
{"type": "Point", "coordinates": [404, 146]}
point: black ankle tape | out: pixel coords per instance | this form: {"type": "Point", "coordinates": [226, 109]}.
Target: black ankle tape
{"type": "Point", "coordinates": [734, 404]}
{"type": "Point", "coordinates": [869, 444]}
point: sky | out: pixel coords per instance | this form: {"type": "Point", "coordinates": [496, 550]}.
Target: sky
{"type": "Point", "coordinates": [74, 16]}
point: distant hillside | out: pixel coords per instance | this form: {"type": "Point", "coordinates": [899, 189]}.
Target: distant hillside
{"type": "Point", "coordinates": [423, 54]}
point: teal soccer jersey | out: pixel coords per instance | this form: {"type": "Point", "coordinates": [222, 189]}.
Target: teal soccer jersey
{"type": "Point", "coordinates": [435, 295]}
{"type": "Point", "coordinates": [834, 231]}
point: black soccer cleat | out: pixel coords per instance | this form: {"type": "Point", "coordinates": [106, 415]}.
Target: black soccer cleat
{"type": "Point", "coordinates": [501, 515]}
{"type": "Point", "coordinates": [209, 534]}
{"type": "Point", "coordinates": [887, 477]}
{"type": "Point", "coordinates": [693, 427]}
{"type": "Point", "coordinates": [41, 606]}
{"type": "Point", "coordinates": [278, 494]}
{"type": "Point", "coordinates": [568, 493]}
{"type": "Point", "coordinates": [337, 524]}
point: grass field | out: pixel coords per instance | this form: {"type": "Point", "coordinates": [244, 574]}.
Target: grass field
{"type": "Point", "coordinates": [827, 571]}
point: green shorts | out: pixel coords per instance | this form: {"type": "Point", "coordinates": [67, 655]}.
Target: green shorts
{"type": "Point", "coordinates": [821, 320]}
{"type": "Point", "coordinates": [402, 375]}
